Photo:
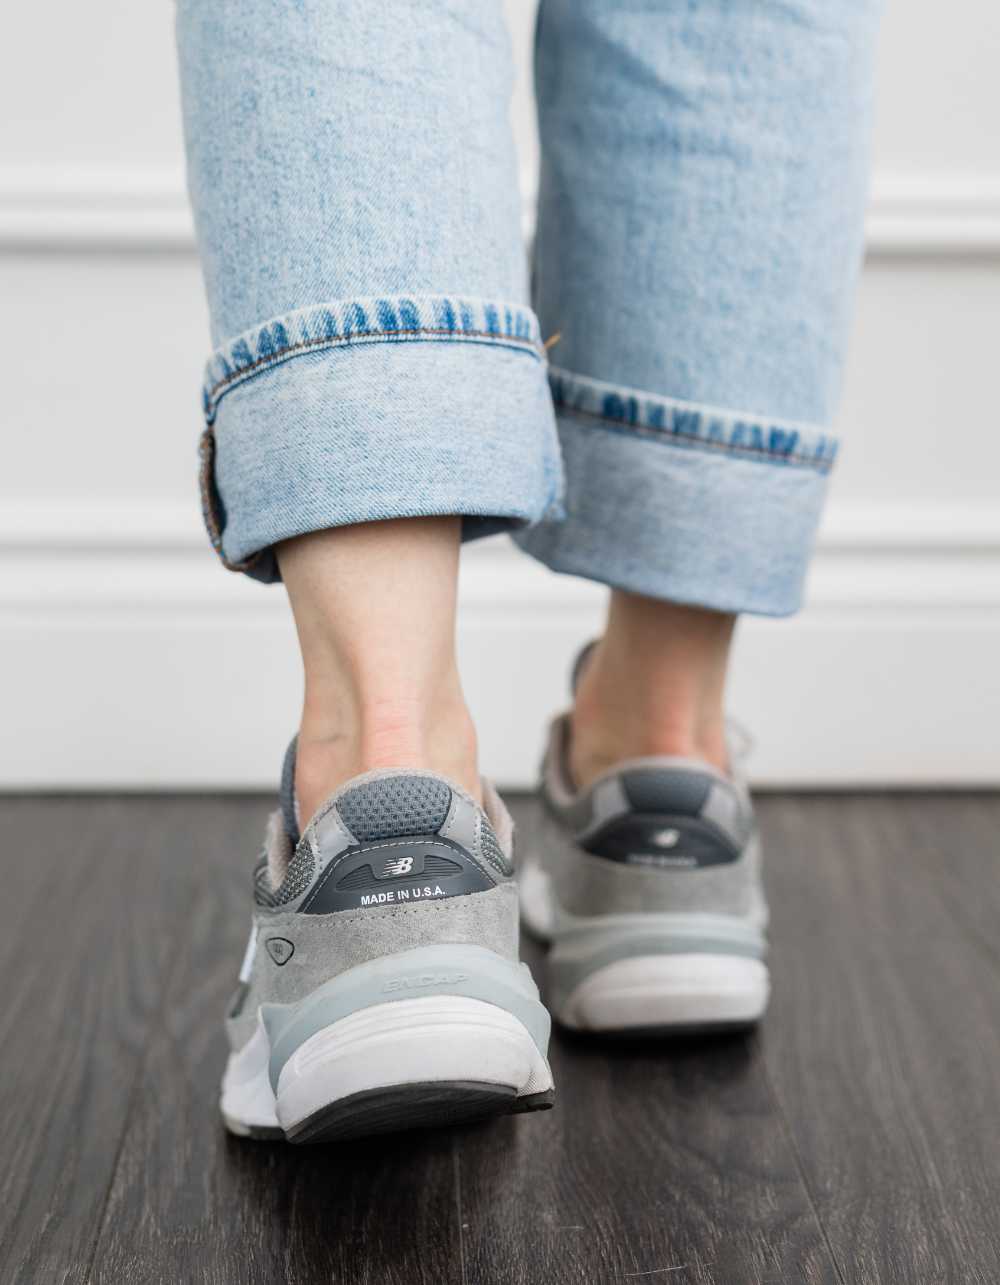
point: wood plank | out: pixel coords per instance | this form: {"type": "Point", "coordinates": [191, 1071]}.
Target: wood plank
{"type": "Point", "coordinates": [884, 1039]}
{"type": "Point", "coordinates": [190, 1203]}
{"type": "Point", "coordinates": [869, 1104]}
{"type": "Point", "coordinates": [931, 828]}
{"type": "Point", "coordinates": [665, 1161]}
{"type": "Point", "coordinates": [92, 904]}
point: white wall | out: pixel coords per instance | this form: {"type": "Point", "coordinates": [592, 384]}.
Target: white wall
{"type": "Point", "coordinates": [128, 658]}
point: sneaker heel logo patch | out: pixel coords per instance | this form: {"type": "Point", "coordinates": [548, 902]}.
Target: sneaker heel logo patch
{"type": "Point", "coordinates": [400, 865]}
{"type": "Point", "coordinates": [398, 870]}
{"type": "Point", "coordinates": [280, 949]}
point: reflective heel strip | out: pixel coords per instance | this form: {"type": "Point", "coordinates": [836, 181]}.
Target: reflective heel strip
{"type": "Point", "coordinates": [469, 971]}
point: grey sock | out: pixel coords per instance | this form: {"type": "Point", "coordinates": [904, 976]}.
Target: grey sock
{"type": "Point", "coordinates": [286, 794]}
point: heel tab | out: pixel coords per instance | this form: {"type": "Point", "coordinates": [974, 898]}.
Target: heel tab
{"type": "Point", "coordinates": [394, 804]}
{"type": "Point", "coordinates": [669, 788]}
{"type": "Point", "coordinates": [662, 813]}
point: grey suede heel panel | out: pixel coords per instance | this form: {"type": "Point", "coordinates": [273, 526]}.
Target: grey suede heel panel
{"type": "Point", "coordinates": [588, 885]}
{"type": "Point", "coordinates": [323, 946]}
{"type": "Point", "coordinates": [425, 972]}
{"type": "Point", "coordinates": [579, 952]}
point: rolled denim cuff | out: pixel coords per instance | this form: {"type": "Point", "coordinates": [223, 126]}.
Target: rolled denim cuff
{"type": "Point", "coordinates": [683, 502]}
{"type": "Point", "coordinates": [366, 409]}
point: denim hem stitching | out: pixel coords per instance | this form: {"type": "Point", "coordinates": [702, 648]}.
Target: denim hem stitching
{"type": "Point", "coordinates": [675, 423]}
{"type": "Point", "coordinates": [346, 322]}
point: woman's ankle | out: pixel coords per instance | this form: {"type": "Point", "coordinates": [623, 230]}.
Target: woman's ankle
{"type": "Point", "coordinates": [374, 607]}
{"type": "Point", "coordinates": [389, 733]}
{"type": "Point", "coordinates": [654, 685]}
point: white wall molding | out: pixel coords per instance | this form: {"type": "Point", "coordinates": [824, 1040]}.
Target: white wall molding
{"type": "Point", "coordinates": [83, 209]}
{"type": "Point", "coordinates": [58, 555]}
{"type": "Point", "coordinates": [77, 523]}
{"type": "Point", "coordinates": [131, 660]}
{"type": "Point", "coordinates": [933, 214]}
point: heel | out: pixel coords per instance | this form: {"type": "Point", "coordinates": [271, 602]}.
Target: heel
{"type": "Point", "coordinates": [424, 1037]}
{"type": "Point", "coordinates": [410, 1064]}
{"type": "Point", "coordinates": [667, 973]}
{"type": "Point", "coordinates": [672, 994]}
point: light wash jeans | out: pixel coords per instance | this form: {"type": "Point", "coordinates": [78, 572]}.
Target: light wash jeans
{"type": "Point", "coordinates": [354, 182]}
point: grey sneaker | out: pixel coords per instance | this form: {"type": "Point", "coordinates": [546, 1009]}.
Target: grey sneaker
{"type": "Point", "coordinates": [647, 885]}
{"type": "Point", "coordinates": [381, 987]}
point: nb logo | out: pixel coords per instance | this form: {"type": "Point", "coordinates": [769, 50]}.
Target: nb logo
{"type": "Point", "coordinates": [280, 949]}
{"type": "Point", "coordinates": [665, 838]}
{"type": "Point", "coordinates": [397, 866]}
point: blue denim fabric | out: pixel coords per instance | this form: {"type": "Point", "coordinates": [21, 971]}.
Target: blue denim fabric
{"type": "Point", "coordinates": [699, 232]}
{"type": "Point", "coordinates": [354, 182]}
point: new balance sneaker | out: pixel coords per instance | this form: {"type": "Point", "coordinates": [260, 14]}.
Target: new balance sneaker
{"type": "Point", "coordinates": [381, 987]}
{"type": "Point", "coordinates": [647, 885]}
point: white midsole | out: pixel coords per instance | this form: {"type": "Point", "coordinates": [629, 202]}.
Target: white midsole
{"type": "Point", "coordinates": [247, 1099]}
{"type": "Point", "coordinates": [668, 990]}
{"type": "Point", "coordinates": [534, 888]}
{"type": "Point", "coordinates": [413, 1041]}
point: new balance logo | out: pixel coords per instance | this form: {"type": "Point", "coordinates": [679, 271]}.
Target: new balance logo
{"type": "Point", "coordinates": [280, 949]}
{"type": "Point", "coordinates": [661, 860]}
{"type": "Point", "coordinates": [397, 866]}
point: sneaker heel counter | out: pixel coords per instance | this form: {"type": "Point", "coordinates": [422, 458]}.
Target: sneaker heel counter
{"type": "Point", "coordinates": [652, 839]}
{"type": "Point", "coordinates": [673, 820]}
{"type": "Point", "coordinates": [661, 841]}
{"type": "Point", "coordinates": [405, 871]}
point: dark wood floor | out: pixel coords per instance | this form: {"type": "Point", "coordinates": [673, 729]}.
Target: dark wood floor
{"type": "Point", "coordinates": [856, 1138]}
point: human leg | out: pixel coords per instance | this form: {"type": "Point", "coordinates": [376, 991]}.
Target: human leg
{"type": "Point", "coordinates": [377, 390]}
{"type": "Point", "coordinates": [702, 185]}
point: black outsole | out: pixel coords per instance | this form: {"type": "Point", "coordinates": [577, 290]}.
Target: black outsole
{"type": "Point", "coordinates": [675, 1031]}
{"type": "Point", "coordinates": [263, 1133]}
{"type": "Point", "coordinates": [434, 1104]}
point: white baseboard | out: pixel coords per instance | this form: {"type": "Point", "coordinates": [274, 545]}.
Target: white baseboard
{"type": "Point", "coordinates": [132, 661]}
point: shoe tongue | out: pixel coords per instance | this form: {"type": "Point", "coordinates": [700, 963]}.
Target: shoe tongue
{"type": "Point", "coordinates": [390, 804]}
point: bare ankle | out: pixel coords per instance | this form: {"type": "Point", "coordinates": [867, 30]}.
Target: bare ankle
{"type": "Point", "coordinates": [374, 608]}
{"type": "Point", "coordinates": [598, 746]}
{"type": "Point", "coordinates": [653, 685]}
{"type": "Point", "coordinates": [385, 734]}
